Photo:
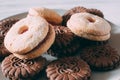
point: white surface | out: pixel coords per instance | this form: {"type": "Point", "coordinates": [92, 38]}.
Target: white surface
{"type": "Point", "coordinates": [110, 9]}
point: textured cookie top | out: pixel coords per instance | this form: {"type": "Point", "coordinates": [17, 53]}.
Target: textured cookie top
{"type": "Point", "coordinates": [63, 36]}
{"type": "Point", "coordinates": [26, 34]}
{"type": "Point", "coordinates": [14, 67]}
{"type": "Point", "coordinates": [95, 12]}
{"type": "Point", "coordinates": [88, 23]}
{"type": "Point", "coordinates": [102, 57]}
{"type": "Point", "coordinates": [70, 68]}
{"type": "Point", "coordinates": [5, 25]}
{"type": "Point", "coordinates": [65, 43]}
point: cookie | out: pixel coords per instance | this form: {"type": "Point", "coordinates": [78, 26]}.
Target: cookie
{"type": "Point", "coordinates": [65, 44]}
{"type": "Point", "coordinates": [50, 15]}
{"type": "Point", "coordinates": [69, 68]}
{"type": "Point", "coordinates": [18, 69]}
{"type": "Point", "coordinates": [41, 48]}
{"type": "Point", "coordinates": [35, 35]}
{"type": "Point", "coordinates": [80, 9]}
{"type": "Point", "coordinates": [5, 25]}
{"type": "Point", "coordinates": [29, 32]}
{"type": "Point", "coordinates": [101, 58]}
{"type": "Point", "coordinates": [72, 11]}
{"type": "Point", "coordinates": [89, 26]}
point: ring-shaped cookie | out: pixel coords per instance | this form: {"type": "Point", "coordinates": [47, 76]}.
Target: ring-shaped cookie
{"type": "Point", "coordinates": [26, 34]}
{"type": "Point", "coordinates": [89, 26]}
{"type": "Point", "coordinates": [41, 48]}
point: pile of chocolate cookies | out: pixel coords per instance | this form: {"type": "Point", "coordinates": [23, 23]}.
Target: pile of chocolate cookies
{"type": "Point", "coordinates": [79, 39]}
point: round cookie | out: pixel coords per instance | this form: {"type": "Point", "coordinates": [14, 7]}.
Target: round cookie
{"type": "Point", "coordinates": [89, 26]}
{"type": "Point", "coordinates": [17, 69]}
{"type": "Point", "coordinates": [5, 25]}
{"type": "Point", "coordinates": [79, 9]}
{"type": "Point", "coordinates": [41, 48]}
{"type": "Point", "coordinates": [27, 33]}
{"type": "Point", "coordinates": [70, 68]}
{"type": "Point", "coordinates": [33, 35]}
{"type": "Point", "coordinates": [101, 58]}
{"type": "Point", "coordinates": [65, 44]}
{"type": "Point", "coordinates": [50, 15]}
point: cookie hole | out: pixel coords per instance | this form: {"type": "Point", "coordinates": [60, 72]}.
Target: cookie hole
{"type": "Point", "coordinates": [23, 29]}
{"type": "Point", "coordinates": [91, 19]}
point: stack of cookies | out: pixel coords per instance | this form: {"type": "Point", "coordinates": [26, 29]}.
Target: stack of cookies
{"type": "Point", "coordinates": [90, 26]}
{"type": "Point", "coordinates": [27, 40]}
{"type": "Point", "coordinates": [79, 39]}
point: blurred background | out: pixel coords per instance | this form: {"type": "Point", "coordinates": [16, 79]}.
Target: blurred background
{"type": "Point", "coordinates": [110, 8]}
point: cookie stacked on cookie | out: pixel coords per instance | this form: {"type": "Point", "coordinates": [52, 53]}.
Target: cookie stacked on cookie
{"type": "Point", "coordinates": [27, 40]}
{"type": "Point", "coordinates": [79, 40]}
{"type": "Point", "coordinates": [94, 31]}
{"type": "Point", "coordinates": [81, 27]}
{"type": "Point", "coordinates": [88, 24]}
{"type": "Point", "coordinates": [22, 41]}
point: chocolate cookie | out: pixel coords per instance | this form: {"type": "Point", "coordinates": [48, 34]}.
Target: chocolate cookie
{"type": "Point", "coordinates": [95, 12]}
{"type": "Point", "coordinates": [80, 9]}
{"type": "Point", "coordinates": [101, 58]}
{"type": "Point", "coordinates": [65, 44]}
{"type": "Point", "coordinates": [69, 68]}
{"type": "Point", "coordinates": [17, 69]}
{"type": "Point", "coordinates": [5, 25]}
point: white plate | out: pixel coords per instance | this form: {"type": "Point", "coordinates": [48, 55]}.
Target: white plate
{"type": "Point", "coordinates": [114, 41]}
